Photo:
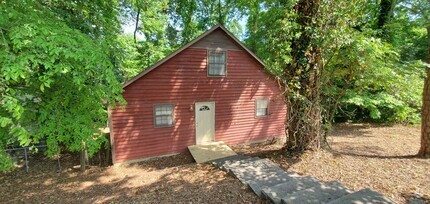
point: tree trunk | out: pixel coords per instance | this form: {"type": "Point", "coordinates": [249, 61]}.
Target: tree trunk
{"type": "Point", "coordinates": [107, 155]}
{"type": "Point", "coordinates": [302, 78]}
{"type": "Point", "coordinates": [137, 25]}
{"type": "Point", "coordinates": [386, 8]}
{"type": "Point", "coordinates": [425, 117]}
{"type": "Point", "coordinates": [84, 158]}
{"type": "Point", "coordinates": [83, 163]}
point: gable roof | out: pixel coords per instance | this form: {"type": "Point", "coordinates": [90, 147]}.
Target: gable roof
{"type": "Point", "coordinates": [188, 45]}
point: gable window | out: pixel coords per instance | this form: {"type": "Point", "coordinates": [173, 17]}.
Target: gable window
{"type": "Point", "coordinates": [216, 63]}
{"type": "Point", "coordinates": [163, 115]}
{"type": "Point", "coordinates": [261, 107]}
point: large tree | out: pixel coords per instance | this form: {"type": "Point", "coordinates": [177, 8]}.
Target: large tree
{"type": "Point", "coordinates": [361, 76]}
{"type": "Point", "coordinates": [423, 9]}
{"type": "Point", "coordinates": [302, 79]}
{"type": "Point", "coordinates": [57, 74]}
{"type": "Point", "coordinates": [425, 124]}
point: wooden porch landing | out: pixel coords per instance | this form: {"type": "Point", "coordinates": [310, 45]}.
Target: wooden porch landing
{"type": "Point", "coordinates": [211, 151]}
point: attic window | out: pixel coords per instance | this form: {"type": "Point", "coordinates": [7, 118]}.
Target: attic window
{"type": "Point", "coordinates": [216, 63]}
{"type": "Point", "coordinates": [163, 115]}
{"type": "Point", "coordinates": [262, 107]}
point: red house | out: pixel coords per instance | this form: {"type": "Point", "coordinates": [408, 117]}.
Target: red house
{"type": "Point", "coordinates": [211, 89]}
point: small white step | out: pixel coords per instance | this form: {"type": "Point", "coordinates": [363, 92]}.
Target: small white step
{"type": "Point", "coordinates": [207, 152]}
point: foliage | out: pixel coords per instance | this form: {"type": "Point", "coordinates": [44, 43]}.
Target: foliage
{"type": "Point", "coordinates": [168, 24]}
{"type": "Point", "coordinates": [389, 89]}
{"type": "Point", "coordinates": [269, 32]}
{"type": "Point", "coordinates": [131, 64]}
{"type": "Point", "coordinates": [366, 76]}
{"type": "Point", "coordinates": [394, 97]}
{"type": "Point", "coordinates": [301, 78]}
{"type": "Point", "coordinates": [6, 163]}
{"type": "Point", "coordinates": [188, 19]}
{"type": "Point", "coordinates": [151, 21]}
{"type": "Point", "coordinates": [57, 75]}
{"type": "Point", "coordinates": [154, 19]}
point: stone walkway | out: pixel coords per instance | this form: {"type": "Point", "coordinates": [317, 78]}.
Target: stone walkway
{"type": "Point", "coordinates": [272, 183]}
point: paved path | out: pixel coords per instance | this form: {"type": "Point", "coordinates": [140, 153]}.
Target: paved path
{"type": "Point", "coordinates": [272, 183]}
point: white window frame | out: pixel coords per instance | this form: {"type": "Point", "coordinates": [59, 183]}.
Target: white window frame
{"type": "Point", "coordinates": [256, 107]}
{"type": "Point", "coordinates": [171, 115]}
{"type": "Point", "coordinates": [209, 63]}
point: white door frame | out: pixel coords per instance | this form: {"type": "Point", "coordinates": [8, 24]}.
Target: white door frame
{"type": "Point", "coordinates": [196, 110]}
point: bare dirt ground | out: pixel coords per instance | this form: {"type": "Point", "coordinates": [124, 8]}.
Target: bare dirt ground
{"type": "Point", "coordinates": [362, 156]}
{"type": "Point", "coordinates": [374, 156]}
{"type": "Point", "coordinates": [175, 179]}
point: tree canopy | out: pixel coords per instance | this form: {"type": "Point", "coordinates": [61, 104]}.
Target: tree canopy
{"type": "Point", "coordinates": [58, 72]}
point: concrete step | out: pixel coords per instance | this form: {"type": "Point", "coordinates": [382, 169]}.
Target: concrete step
{"type": "Point", "coordinates": [253, 163]}
{"type": "Point", "coordinates": [323, 193]}
{"type": "Point", "coordinates": [277, 192]}
{"type": "Point", "coordinates": [236, 164]}
{"type": "Point", "coordinates": [229, 159]}
{"type": "Point", "coordinates": [259, 174]}
{"type": "Point", "coordinates": [365, 196]}
{"type": "Point", "coordinates": [210, 151]}
{"type": "Point", "coordinates": [257, 185]}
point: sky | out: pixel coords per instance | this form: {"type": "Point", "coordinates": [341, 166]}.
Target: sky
{"type": "Point", "coordinates": [128, 28]}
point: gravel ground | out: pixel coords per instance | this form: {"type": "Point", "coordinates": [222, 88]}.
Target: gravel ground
{"type": "Point", "coordinates": [362, 155]}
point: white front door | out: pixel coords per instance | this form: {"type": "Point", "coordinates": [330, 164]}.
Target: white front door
{"type": "Point", "coordinates": [205, 122]}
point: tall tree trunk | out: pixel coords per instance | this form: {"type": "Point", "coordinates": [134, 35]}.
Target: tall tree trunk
{"type": "Point", "coordinates": [425, 117]}
{"type": "Point", "coordinates": [83, 163]}
{"type": "Point", "coordinates": [84, 158]}
{"type": "Point", "coordinates": [302, 78]}
{"type": "Point", "coordinates": [136, 26]}
{"type": "Point", "coordinates": [386, 8]}
{"type": "Point", "coordinates": [220, 19]}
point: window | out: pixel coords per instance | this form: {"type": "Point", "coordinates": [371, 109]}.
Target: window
{"type": "Point", "coordinates": [204, 108]}
{"type": "Point", "coordinates": [216, 63]}
{"type": "Point", "coordinates": [163, 115]}
{"type": "Point", "coordinates": [261, 108]}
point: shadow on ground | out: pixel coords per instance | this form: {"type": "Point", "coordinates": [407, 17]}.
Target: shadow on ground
{"type": "Point", "coordinates": [168, 180]}
{"type": "Point", "coordinates": [360, 140]}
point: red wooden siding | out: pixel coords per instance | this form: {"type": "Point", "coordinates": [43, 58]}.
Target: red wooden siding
{"type": "Point", "coordinates": [182, 81]}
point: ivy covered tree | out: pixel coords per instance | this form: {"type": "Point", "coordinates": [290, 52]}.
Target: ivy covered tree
{"type": "Point", "coordinates": [420, 10]}
{"type": "Point", "coordinates": [301, 77]}
{"type": "Point", "coordinates": [57, 74]}
{"type": "Point", "coordinates": [370, 58]}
